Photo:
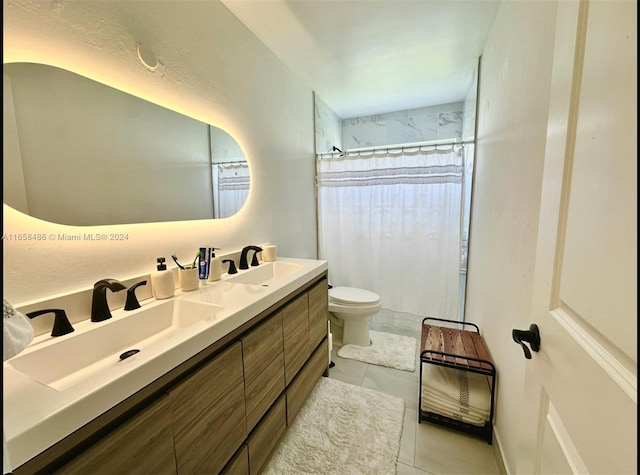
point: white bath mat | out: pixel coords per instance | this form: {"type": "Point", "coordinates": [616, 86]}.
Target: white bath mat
{"type": "Point", "coordinates": [341, 430]}
{"type": "Point", "coordinates": [386, 349]}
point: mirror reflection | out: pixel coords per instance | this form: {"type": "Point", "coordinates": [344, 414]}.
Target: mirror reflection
{"type": "Point", "coordinates": [79, 152]}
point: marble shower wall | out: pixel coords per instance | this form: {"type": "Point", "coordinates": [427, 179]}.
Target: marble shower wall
{"type": "Point", "coordinates": [328, 127]}
{"type": "Point", "coordinates": [447, 121]}
{"type": "Point", "coordinates": [469, 117]}
{"type": "Point", "coordinates": [415, 125]}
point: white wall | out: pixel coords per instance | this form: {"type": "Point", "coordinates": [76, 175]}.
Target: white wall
{"type": "Point", "coordinates": [211, 68]}
{"type": "Point", "coordinates": [513, 105]}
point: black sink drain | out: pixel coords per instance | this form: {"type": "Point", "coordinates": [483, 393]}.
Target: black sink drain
{"type": "Point", "coordinates": [128, 353]}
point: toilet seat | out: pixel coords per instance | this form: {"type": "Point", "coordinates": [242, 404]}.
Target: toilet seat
{"type": "Point", "coordinates": [351, 296]}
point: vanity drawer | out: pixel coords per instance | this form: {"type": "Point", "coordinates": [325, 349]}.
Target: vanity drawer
{"type": "Point", "coordinates": [261, 346]}
{"type": "Point", "coordinates": [267, 435]}
{"type": "Point", "coordinates": [265, 388]}
{"type": "Point", "coordinates": [208, 410]}
{"type": "Point", "coordinates": [239, 464]}
{"type": "Point", "coordinates": [299, 390]}
{"type": "Point", "coordinates": [295, 323]}
{"type": "Point", "coordinates": [143, 444]}
{"type": "Point", "coordinates": [318, 313]}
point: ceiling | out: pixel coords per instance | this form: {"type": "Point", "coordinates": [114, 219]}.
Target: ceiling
{"type": "Point", "coordinates": [365, 57]}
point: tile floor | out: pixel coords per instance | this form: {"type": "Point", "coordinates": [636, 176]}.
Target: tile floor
{"type": "Point", "coordinates": [424, 448]}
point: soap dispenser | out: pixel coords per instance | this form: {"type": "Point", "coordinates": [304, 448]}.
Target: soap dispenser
{"type": "Point", "coordinates": [162, 284]}
{"type": "Point", "coordinates": [215, 266]}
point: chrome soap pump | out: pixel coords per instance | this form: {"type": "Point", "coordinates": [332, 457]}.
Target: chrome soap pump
{"type": "Point", "coordinates": [163, 285]}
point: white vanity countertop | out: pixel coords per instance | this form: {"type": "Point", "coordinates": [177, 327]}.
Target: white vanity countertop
{"type": "Point", "coordinates": [37, 416]}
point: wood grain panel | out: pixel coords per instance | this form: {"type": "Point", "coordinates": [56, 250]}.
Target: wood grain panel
{"type": "Point", "coordinates": [261, 346]}
{"type": "Point", "coordinates": [318, 312]}
{"type": "Point", "coordinates": [239, 464]}
{"type": "Point", "coordinates": [260, 394]}
{"type": "Point", "coordinates": [295, 323]}
{"type": "Point", "coordinates": [142, 445]}
{"type": "Point", "coordinates": [301, 387]}
{"type": "Point", "coordinates": [461, 343]}
{"type": "Point", "coordinates": [209, 414]}
{"type": "Point", "coordinates": [266, 436]}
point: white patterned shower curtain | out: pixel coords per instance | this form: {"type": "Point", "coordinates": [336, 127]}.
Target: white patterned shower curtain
{"type": "Point", "coordinates": [391, 223]}
{"type": "Point", "coordinates": [231, 187]}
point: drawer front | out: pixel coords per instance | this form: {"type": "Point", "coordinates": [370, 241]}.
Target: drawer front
{"type": "Point", "coordinates": [299, 390]}
{"type": "Point", "coordinates": [143, 444]}
{"type": "Point", "coordinates": [260, 394]}
{"type": "Point", "coordinates": [239, 464]}
{"type": "Point", "coordinates": [266, 436]}
{"type": "Point", "coordinates": [261, 346]}
{"type": "Point", "coordinates": [208, 411]}
{"type": "Point", "coordinates": [318, 313]}
{"type": "Point", "coordinates": [295, 323]}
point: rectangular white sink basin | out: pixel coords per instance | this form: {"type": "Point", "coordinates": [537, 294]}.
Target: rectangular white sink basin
{"type": "Point", "coordinates": [265, 273]}
{"type": "Point", "coordinates": [64, 361]}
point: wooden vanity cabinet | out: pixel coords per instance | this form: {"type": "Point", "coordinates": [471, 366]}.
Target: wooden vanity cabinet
{"type": "Point", "coordinates": [143, 445]}
{"type": "Point", "coordinates": [300, 387]}
{"type": "Point", "coordinates": [225, 412]}
{"type": "Point", "coordinates": [318, 313]}
{"type": "Point", "coordinates": [297, 346]}
{"type": "Point", "coordinates": [298, 391]}
{"type": "Point", "coordinates": [263, 357]}
{"type": "Point", "coordinates": [265, 437]}
{"type": "Point", "coordinates": [208, 410]}
{"type": "Point", "coordinates": [239, 464]}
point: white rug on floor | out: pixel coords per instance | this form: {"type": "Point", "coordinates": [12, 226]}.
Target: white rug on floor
{"type": "Point", "coordinates": [341, 430]}
{"type": "Point", "coordinates": [386, 349]}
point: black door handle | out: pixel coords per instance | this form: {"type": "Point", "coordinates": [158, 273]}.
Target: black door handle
{"type": "Point", "coordinates": [531, 336]}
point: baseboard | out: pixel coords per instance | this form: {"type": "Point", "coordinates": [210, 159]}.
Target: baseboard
{"type": "Point", "coordinates": [499, 454]}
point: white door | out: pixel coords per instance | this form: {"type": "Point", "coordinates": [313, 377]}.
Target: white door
{"type": "Point", "coordinates": [581, 386]}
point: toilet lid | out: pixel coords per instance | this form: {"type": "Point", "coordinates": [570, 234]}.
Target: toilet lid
{"type": "Point", "coordinates": [353, 296]}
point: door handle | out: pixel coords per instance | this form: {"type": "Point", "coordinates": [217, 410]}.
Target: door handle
{"type": "Point", "coordinates": [531, 336]}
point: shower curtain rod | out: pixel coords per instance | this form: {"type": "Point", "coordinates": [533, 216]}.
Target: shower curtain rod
{"type": "Point", "coordinates": [397, 148]}
{"type": "Point", "coordinates": [230, 162]}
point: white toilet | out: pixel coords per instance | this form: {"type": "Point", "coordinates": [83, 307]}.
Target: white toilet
{"type": "Point", "coordinates": [354, 307]}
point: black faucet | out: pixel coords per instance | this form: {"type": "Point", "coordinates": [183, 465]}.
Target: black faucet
{"type": "Point", "coordinates": [232, 266]}
{"type": "Point", "coordinates": [243, 256]}
{"type": "Point", "coordinates": [61, 325]}
{"type": "Point", "coordinates": [132, 301]}
{"type": "Point", "coordinates": [99, 305]}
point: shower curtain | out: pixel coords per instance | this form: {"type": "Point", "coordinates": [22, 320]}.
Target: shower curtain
{"type": "Point", "coordinates": [391, 223]}
{"type": "Point", "coordinates": [231, 187]}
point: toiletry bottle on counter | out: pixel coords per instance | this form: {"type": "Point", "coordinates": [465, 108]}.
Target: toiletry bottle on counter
{"type": "Point", "coordinates": [204, 262]}
{"type": "Point", "coordinates": [162, 284]}
{"type": "Point", "coordinates": [215, 266]}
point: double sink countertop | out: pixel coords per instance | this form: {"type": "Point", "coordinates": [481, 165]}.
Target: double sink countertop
{"type": "Point", "coordinates": [57, 385]}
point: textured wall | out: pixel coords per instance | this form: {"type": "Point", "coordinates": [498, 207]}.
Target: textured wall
{"type": "Point", "coordinates": [210, 68]}
{"type": "Point", "coordinates": [513, 105]}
